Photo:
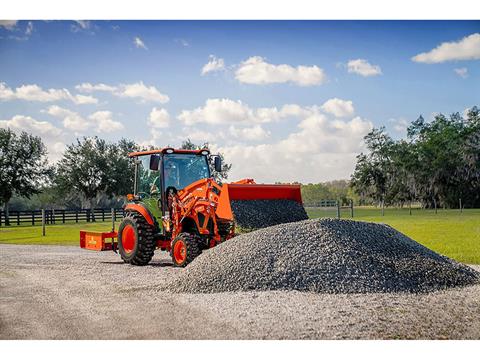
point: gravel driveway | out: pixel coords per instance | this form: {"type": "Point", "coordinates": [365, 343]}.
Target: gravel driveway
{"type": "Point", "coordinates": [53, 292]}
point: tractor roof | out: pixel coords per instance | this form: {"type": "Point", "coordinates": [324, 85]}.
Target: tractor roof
{"type": "Point", "coordinates": [169, 150]}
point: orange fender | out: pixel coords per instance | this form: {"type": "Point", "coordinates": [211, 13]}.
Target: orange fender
{"type": "Point", "coordinates": [142, 210]}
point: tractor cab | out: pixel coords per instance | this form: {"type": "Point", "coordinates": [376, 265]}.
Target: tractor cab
{"type": "Point", "coordinates": [160, 172]}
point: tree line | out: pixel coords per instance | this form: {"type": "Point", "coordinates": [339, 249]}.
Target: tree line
{"type": "Point", "coordinates": [438, 164]}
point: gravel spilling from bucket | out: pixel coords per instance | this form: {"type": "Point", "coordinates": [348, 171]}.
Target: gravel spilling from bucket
{"type": "Point", "coordinates": [322, 255]}
{"type": "Point", "coordinates": [257, 214]}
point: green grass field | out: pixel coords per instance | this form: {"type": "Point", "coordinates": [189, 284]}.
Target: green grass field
{"type": "Point", "coordinates": [448, 232]}
{"type": "Point", "coordinates": [64, 234]}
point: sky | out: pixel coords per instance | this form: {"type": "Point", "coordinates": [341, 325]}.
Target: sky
{"type": "Point", "coordinates": [282, 100]}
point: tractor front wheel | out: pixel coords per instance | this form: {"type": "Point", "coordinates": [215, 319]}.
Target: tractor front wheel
{"type": "Point", "coordinates": [136, 243]}
{"type": "Point", "coordinates": [185, 248]}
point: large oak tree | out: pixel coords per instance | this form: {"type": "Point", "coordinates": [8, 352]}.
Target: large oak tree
{"type": "Point", "coordinates": [23, 166]}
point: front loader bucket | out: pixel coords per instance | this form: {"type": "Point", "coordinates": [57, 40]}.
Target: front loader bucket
{"type": "Point", "coordinates": [254, 206]}
{"type": "Point", "coordinates": [264, 192]}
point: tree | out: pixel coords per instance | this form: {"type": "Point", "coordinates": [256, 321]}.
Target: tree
{"type": "Point", "coordinates": [23, 166]}
{"type": "Point", "coordinates": [121, 167]}
{"type": "Point", "coordinates": [218, 176]}
{"type": "Point", "coordinates": [373, 172]}
{"type": "Point", "coordinates": [95, 168]}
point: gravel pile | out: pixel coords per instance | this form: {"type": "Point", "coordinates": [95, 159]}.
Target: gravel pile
{"type": "Point", "coordinates": [257, 214]}
{"type": "Point", "coordinates": [325, 256]}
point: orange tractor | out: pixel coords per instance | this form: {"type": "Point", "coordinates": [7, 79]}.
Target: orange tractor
{"type": "Point", "coordinates": [178, 207]}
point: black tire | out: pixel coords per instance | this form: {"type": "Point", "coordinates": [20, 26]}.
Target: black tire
{"type": "Point", "coordinates": [144, 245]}
{"type": "Point", "coordinates": [191, 244]}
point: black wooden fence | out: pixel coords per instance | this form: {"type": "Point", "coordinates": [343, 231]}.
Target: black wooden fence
{"type": "Point", "coordinates": [57, 216]}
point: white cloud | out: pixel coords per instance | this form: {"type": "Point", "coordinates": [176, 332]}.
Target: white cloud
{"type": "Point", "coordinates": [101, 120]}
{"type": "Point", "coordinates": [89, 88]}
{"type": "Point", "coordinates": [214, 64]}
{"type": "Point", "coordinates": [201, 136]}
{"type": "Point", "coordinates": [255, 133]}
{"type": "Point", "coordinates": [84, 99]}
{"type": "Point", "coordinates": [136, 90]}
{"type": "Point", "coordinates": [139, 43]}
{"type": "Point", "coordinates": [462, 72]}
{"type": "Point", "coordinates": [400, 125]}
{"type": "Point", "coordinates": [183, 42]}
{"type": "Point", "coordinates": [256, 70]}
{"type": "Point", "coordinates": [143, 92]}
{"type": "Point", "coordinates": [34, 92]}
{"type": "Point", "coordinates": [226, 111]}
{"type": "Point", "coordinates": [71, 120]}
{"type": "Point", "coordinates": [28, 124]}
{"type": "Point", "coordinates": [104, 122]}
{"type": "Point", "coordinates": [322, 149]}
{"type": "Point", "coordinates": [29, 29]}
{"type": "Point", "coordinates": [8, 24]}
{"type": "Point", "coordinates": [363, 67]}
{"type": "Point", "coordinates": [467, 48]}
{"type": "Point", "coordinates": [339, 107]}
{"type": "Point", "coordinates": [159, 118]}
{"type": "Point", "coordinates": [49, 133]}
{"type": "Point", "coordinates": [82, 26]}
{"type": "Point", "coordinates": [217, 111]}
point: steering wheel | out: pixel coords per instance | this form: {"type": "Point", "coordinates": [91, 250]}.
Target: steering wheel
{"type": "Point", "coordinates": [147, 195]}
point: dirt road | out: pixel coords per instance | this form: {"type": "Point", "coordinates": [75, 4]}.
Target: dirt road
{"type": "Point", "coordinates": [53, 292]}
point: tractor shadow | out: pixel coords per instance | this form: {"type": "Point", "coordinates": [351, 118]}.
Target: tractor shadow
{"type": "Point", "coordinates": [159, 263]}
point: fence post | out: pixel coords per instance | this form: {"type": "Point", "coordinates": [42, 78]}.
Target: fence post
{"type": "Point", "coordinates": [460, 201]}
{"type": "Point", "coordinates": [88, 215]}
{"type": "Point", "coordinates": [338, 209]}
{"type": "Point", "coordinates": [76, 215]}
{"type": "Point", "coordinates": [0, 217]}
{"type": "Point", "coordinates": [113, 218]}
{"type": "Point", "coordinates": [18, 217]}
{"type": "Point", "coordinates": [103, 214]}
{"type": "Point", "coordinates": [63, 216]}
{"type": "Point", "coordinates": [114, 214]}
{"type": "Point", "coordinates": [43, 222]}
{"type": "Point", "coordinates": [410, 207]}
{"type": "Point", "coordinates": [351, 208]}
{"type": "Point", "coordinates": [33, 217]}
{"type": "Point", "coordinates": [53, 216]}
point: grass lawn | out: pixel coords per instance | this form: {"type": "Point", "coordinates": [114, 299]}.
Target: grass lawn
{"type": "Point", "coordinates": [59, 234]}
{"type": "Point", "coordinates": [449, 232]}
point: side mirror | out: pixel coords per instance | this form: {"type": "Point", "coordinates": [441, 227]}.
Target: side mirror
{"type": "Point", "coordinates": [154, 162]}
{"type": "Point", "coordinates": [217, 163]}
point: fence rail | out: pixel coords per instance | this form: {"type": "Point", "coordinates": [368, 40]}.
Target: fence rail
{"type": "Point", "coordinates": [331, 205]}
{"type": "Point", "coordinates": [60, 216]}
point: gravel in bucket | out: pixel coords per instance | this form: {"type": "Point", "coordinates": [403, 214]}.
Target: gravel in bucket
{"type": "Point", "coordinates": [256, 214]}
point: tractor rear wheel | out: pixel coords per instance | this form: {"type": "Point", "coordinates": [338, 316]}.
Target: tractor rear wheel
{"type": "Point", "coordinates": [185, 248]}
{"type": "Point", "coordinates": [136, 242]}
